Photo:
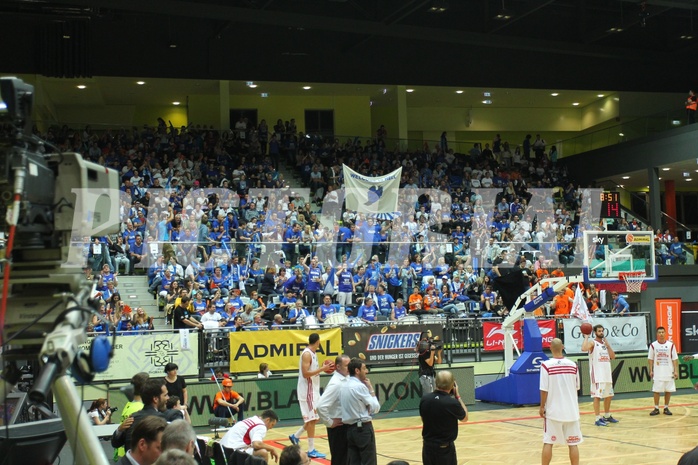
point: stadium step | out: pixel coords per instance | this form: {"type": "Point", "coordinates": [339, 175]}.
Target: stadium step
{"type": "Point", "coordinates": [134, 292]}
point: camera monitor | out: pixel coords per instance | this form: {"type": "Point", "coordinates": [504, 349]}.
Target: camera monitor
{"type": "Point", "coordinates": [11, 409]}
{"type": "Point", "coordinates": [37, 442]}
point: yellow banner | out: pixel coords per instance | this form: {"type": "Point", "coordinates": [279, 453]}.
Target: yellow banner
{"type": "Point", "coordinates": [280, 349]}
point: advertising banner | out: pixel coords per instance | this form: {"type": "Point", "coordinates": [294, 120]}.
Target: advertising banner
{"type": "Point", "coordinates": [493, 336]}
{"type": "Point", "coordinates": [280, 349]}
{"type": "Point", "coordinates": [547, 331]}
{"type": "Point", "coordinates": [632, 374]}
{"type": "Point", "coordinates": [388, 344]}
{"type": "Point", "coordinates": [689, 338]}
{"type": "Point", "coordinates": [396, 391]}
{"type": "Point", "coordinates": [623, 333]}
{"type": "Point", "coordinates": [150, 353]}
{"type": "Point", "coordinates": [668, 314]}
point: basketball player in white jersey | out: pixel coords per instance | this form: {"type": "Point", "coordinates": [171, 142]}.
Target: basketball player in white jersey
{"type": "Point", "coordinates": [309, 394]}
{"type": "Point", "coordinates": [559, 383]}
{"type": "Point", "coordinates": [600, 379]}
{"type": "Point", "coordinates": [664, 369]}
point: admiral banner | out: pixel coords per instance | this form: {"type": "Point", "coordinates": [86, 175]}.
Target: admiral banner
{"type": "Point", "coordinates": [623, 333]}
{"type": "Point", "coordinates": [389, 344]}
{"type": "Point", "coordinates": [280, 349]}
{"type": "Point", "coordinates": [150, 353]}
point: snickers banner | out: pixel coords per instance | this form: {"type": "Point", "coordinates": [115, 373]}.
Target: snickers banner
{"type": "Point", "coordinates": [668, 315]}
{"type": "Point", "coordinates": [390, 344]}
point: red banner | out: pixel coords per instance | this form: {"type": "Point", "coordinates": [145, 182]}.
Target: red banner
{"type": "Point", "coordinates": [668, 313]}
{"type": "Point", "coordinates": [547, 331]}
{"type": "Point", "coordinates": [494, 334]}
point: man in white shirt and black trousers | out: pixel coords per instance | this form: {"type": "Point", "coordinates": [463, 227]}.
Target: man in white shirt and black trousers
{"type": "Point", "coordinates": [441, 411]}
{"type": "Point", "coordinates": [359, 404]}
{"type": "Point", "coordinates": [330, 411]}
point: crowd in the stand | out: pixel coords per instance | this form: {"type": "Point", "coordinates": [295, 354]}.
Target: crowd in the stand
{"type": "Point", "coordinates": [226, 242]}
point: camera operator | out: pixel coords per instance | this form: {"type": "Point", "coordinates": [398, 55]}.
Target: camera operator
{"type": "Point", "coordinates": [441, 411]}
{"type": "Point", "coordinates": [100, 412]}
{"type": "Point", "coordinates": [429, 354]}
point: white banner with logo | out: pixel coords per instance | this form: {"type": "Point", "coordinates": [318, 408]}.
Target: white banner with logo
{"type": "Point", "coordinates": [368, 194]}
{"type": "Point", "coordinates": [150, 353]}
{"type": "Point", "coordinates": [622, 333]}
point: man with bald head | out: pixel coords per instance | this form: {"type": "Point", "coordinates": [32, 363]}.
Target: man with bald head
{"type": "Point", "coordinates": [441, 411]}
{"type": "Point", "coordinates": [559, 383]}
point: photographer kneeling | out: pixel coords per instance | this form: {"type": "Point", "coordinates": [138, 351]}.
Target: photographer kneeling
{"type": "Point", "coordinates": [100, 412]}
{"type": "Point", "coordinates": [430, 352]}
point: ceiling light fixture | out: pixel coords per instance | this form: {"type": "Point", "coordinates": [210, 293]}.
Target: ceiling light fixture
{"type": "Point", "coordinates": [600, 95]}
{"type": "Point", "coordinates": [575, 104]}
{"type": "Point", "coordinates": [264, 95]}
{"type": "Point", "coordinates": [555, 94]}
{"type": "Point", "coordinates": [173, 45]}
{"type": "Point", "coordinates": [82, 86]}
{"type": "Point", "coordinates": [621, 134]}
{"type": "Point", "coordinates": [438, 6]}
{"type": "Point", "coordinates": [66, 36]}
{"type": "Point", "coordinates": [487, 94]}
{"type": "Point", "coordinates": [307, 87]}
{"type": "Point", "coordinates": [409, 91]}
{"type": "Point", "coordinates": [688, 35]}
{"type": "Point", "coordinates": [666, 169]}
{"type": "Point", "coordinates": [626, 177]}
{"type": "Point", "coordinates": [175, 103]}
{"type": "Point", "coordinates": [140, 83]}
{"type": "Point", "coordinates": [487, 102]}
{"type": "Point", "coordinates": [253, 86]}
{"type": "Point", "coordinates": [689, 179]}
{"type": "Point", "coordinates": [503, 14]}
{"type": "Point", "coordinates": [459, 92]}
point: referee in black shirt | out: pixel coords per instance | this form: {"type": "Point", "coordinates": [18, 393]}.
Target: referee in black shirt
{"type": "Point", "coordinates": [441, 411]}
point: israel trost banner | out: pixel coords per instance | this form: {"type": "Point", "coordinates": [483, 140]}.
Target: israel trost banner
{"type": "Point", "coordinates": [368, 194]}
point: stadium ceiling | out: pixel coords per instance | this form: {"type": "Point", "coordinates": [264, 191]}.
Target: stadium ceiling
{"type": "Point", "coordinates": [547, 44]}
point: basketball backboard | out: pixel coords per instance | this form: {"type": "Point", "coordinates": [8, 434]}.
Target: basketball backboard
{"type": "Point", "coordinates": [608, 253]}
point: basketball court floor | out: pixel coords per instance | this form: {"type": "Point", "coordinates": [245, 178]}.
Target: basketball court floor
{"type": "Point", "coordinates": [501, 435]}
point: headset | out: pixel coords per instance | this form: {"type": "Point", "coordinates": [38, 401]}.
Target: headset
{"type": "Point", "coordinates": [86, 365]}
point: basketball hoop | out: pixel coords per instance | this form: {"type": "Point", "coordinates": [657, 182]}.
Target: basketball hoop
{"type": "Point", "coordinates": [634, 280]}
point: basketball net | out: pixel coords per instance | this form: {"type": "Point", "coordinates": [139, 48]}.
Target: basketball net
{"type": "Point", "coordinates": [634, 280]}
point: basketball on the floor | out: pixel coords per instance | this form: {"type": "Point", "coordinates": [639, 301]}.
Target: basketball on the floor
{"type": "Point", "coordinates": [586, 328]}
{"type": "Point", "coordinates": [330, 363]}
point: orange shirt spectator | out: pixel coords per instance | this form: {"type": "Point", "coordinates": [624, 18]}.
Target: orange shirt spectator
{"type": "Point", "coordinates": [557, 273]}
{"type": "Point", "coordinates": [563, 303]}
{"type": "Point", "coordinates": [415, 297]}
{"type": "Point", "coordinates": [430, 301]}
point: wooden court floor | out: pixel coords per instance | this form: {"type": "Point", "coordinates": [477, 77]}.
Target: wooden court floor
{"type": "Point", "coordinates": [513, 436]}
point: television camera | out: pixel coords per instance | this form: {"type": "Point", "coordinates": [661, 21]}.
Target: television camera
{"type": "Point", "coordinates": [48, 198]}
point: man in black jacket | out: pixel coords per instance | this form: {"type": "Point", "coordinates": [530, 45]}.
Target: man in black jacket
{"type": "Point", "coordinates": [441, 411]}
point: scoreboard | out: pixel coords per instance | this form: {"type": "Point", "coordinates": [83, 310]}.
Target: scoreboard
{"type": "Point", "coordinates": [610, 204]}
